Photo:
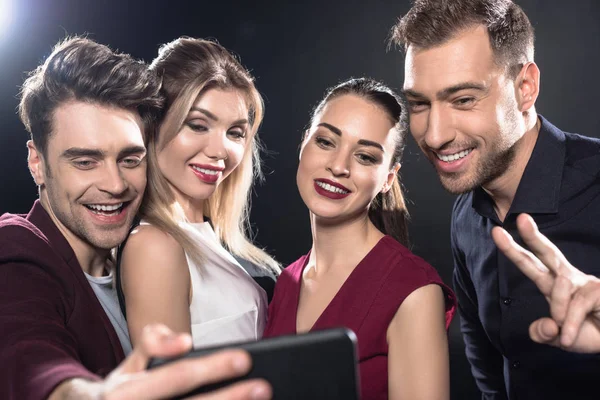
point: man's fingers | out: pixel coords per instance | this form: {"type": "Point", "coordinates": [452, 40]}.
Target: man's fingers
{"type": "Point", "coordinates": [183, 376]}
{"type": "Point", "coordinates": [545, 331]}
{"type": "Point", "coordinates": [584, 302]}
{"type": "Point", "coordinates": [524, 260]}
{"type": "Point", "coordinates": [157, 341]}
{"type": "Point", "coordinates": [560, 299]}
{"type": "Point", "coordinates": [256, 389]}
{"type": "Point", "coordinates": [540, 245]}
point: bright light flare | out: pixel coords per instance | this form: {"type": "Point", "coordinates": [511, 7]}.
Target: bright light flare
{"type": "Point", "coordinates": [6, 17]}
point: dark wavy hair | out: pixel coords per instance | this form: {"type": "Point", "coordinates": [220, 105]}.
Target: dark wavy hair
{"type": "Point", "coordinates": [79, 69]}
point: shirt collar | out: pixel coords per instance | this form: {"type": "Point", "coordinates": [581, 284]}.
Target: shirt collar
{"type": "Point", "coordinates": [539, 189]}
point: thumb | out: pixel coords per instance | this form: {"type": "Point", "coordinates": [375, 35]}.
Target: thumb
{"type": "Point", "coordinates": [546, 331]}
{"type": "Point", "coordinates": [156, 341]}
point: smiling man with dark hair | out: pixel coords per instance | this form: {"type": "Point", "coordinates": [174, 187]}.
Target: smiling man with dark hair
{"type": "Point", "coordinates": [88, 110]}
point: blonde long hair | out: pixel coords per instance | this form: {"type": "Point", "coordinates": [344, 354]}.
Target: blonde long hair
{"type": "Point", "coordinates": [189, 67]}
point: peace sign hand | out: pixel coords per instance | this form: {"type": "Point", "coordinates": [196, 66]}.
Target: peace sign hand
{"type": "Point", "coordinates": [574, 297]}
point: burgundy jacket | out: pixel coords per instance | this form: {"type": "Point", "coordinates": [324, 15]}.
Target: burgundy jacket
{"type": "Point", "coordinates": [52, 326]}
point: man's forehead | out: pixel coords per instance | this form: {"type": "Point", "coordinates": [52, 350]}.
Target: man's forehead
{"type": "Point", "coordinates": [467, 56]}
{"type": "Point", "coordinates": [86, 125]}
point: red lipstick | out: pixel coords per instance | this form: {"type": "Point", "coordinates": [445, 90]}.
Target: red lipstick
{"type": "Point", "coordinates": [327, 188]}
{"type": "Point", "coordinates": [211, 173]}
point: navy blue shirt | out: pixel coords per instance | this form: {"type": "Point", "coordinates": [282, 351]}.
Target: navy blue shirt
{"type": "Point", "coordinates": [560, 188]}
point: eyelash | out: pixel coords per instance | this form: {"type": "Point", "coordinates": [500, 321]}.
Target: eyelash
{"type": "Point", "coordinates": [464, 101]}
{"type": "Point", "coordinates": [413, 105]}
{"type": "Point", "coordinates": [90, 164]}
{"type": "Point", "coordinates": [136, 162]}
{"type": "Point", "coordinates": [322, 142]}
{"type": "Point", "coordinates": [362, 158]}
{"type": "Point", "coordinates": [83, 164]}
{"type": "Point", "coordinates": [237, 134]}
{"type": "Point", "coordinates": [366, 159]}
{"type": "Point", "coordinates": [197, 128]}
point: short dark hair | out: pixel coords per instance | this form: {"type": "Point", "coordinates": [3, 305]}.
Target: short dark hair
{"type": "Point", "coordinates": [79, 69]}
{"type": "Point", "coordinates": [430, 23]}
{"type": "Point", "coordinates": [388, 210]}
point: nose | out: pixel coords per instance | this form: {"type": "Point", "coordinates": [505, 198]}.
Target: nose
{"type": "Point", "coordinates": [217, 146]}
{"type": "Point", "coordinates": [338, 163]}
{"type": "Point", "coordinates": [112, 180]}
{"type": "Point", "coordinates": [438, 132]}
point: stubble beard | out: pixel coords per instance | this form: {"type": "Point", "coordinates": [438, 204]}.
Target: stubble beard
{"type": "Point", "coordinates": [492, 166]}
{"type": "Point", "coordinates": [72, 218]}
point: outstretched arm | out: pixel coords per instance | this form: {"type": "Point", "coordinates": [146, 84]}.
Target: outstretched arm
{"type": "Point", "coordinates": [131, 381]}
{"type": "Point", "coordinates": [418, 366]}
{"type": "Point", "coordinates": [574, 297]}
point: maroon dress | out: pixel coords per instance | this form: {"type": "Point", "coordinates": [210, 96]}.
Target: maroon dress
{"type": "Point", "coordinates": [366, 303]}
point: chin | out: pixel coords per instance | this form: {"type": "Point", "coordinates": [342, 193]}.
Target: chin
{"type": "Point", "coordinates": [458, 186]}
{"type": "Point", "coordinates": [325, 213]}
{"type": "Point", "coordinates": [107, 243]}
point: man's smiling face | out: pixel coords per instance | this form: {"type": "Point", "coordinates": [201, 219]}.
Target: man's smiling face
{"type": "Point", "coordinates": [463, 110]}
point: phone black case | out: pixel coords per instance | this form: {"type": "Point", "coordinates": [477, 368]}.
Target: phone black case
{"type": "Point", "coordinates": [315, 365]}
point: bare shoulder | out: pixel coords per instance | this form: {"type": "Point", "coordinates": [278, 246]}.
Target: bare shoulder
{"type": "Point", "coordinates": [422, 310]}
{"type": "Point", "coordinates": [430, 295]}
{"type": "Point", "coordinates": [148, 245]}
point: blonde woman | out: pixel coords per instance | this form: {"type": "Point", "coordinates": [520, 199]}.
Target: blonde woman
{"type": "Point", "coordinates": [182, 266]}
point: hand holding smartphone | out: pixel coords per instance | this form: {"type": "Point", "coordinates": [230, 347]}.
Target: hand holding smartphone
{"type": "Point", "coordinates": [315, 365]}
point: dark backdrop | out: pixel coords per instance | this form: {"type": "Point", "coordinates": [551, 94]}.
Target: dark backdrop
{"type": "Point", "coordinates": [296, 51]}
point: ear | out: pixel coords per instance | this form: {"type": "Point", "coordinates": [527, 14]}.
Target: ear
{"type": "Point", "coordinates": [528, 86]}
{"type": "Point", "coordinates": [391, 177]}
{"type": "Point", "coordinates": [36, 164]}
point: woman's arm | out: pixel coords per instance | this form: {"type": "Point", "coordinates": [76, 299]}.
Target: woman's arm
{"type": "Point", "coordinates": [418, 361]}
{"type": "Point", "coordinates": [156, 282]}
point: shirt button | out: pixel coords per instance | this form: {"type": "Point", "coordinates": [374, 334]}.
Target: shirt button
{"type": "Point", "coordinates": [516, 364]}
{"type": "Point", "coordinates": [506, 301]}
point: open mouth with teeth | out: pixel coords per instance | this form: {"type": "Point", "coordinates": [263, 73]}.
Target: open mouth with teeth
{"type": "Point", "coordinates": [331, 188]}
{"type": "Point", "coordinates": [108, 210]}
{"type": "Point", "coordinates": [453, 157]}
{"type": "Point", "coordinates": [205, 170]}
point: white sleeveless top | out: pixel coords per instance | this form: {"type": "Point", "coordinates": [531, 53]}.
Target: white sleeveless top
{"type": "Point", "coordinates": [227, 304]}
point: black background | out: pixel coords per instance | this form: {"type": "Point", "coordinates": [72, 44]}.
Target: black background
{"type": "Point", "coordinates": [296, 50]}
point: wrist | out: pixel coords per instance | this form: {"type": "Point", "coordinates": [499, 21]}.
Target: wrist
{"type": "Point", "coordinates": [77, 388]}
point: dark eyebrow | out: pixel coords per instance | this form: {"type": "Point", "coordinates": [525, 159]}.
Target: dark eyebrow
{"type": "Point", "coordinates": [131, 150]}
{"type": "Point", "coordinates": [362, 142]}
{"type": "Point", "coordinates": [371, 144]}
{"type": "Point", "coordinates": [74, 152]}
{"type": "Point", "coordinates": [215, 118]}
{"type": "Point", "coordinates": [332, 128]}
{"type": "Point", "coordinates": [411, 93]}
{"type": "Point", "coordinates": [447, 92]}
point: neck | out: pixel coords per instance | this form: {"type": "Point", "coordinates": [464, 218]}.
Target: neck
{"type": "Point", "coordinates": [192, 209]}
{"type": "Point", "coordinates": [93, 261]}
{"type": "Point", "coordinates": [503, 189]}
{"type": "Point", "coordinates": [341, 244]}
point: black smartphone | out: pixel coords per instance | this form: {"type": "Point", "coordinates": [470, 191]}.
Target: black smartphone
{"type": "Point", "coordinates": [315, 365]}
